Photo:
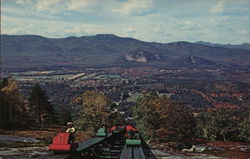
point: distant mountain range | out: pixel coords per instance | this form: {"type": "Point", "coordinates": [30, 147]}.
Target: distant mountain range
{"type": "Point", "coordinates": [245, 46]}
{"type": "Point", "coordinates": [107, 50]}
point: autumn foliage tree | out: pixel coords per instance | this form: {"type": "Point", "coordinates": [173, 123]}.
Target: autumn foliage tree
{"type": "Point", "coordinates": [224, 124]}
{"type": "Point", "coordinates": [94, 110]}
{"type": "Point", "coordinates": [11, 104]}
{"type": "Point", "coordinates": [244, 130]}
{"type": "Point", "coordinates": [161, 119]}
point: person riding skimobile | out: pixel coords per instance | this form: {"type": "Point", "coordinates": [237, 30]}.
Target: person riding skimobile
{"type": "Point", "coordinates": [131, 132]}
{"type": "Point", "coordinates": [71, 130]}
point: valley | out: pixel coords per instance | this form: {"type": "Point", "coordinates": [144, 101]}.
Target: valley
{"type": "Point", "coordinates": [199, 89]}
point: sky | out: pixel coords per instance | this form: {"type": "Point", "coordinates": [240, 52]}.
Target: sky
{"type": "Point", "coordinates": [216, 21]}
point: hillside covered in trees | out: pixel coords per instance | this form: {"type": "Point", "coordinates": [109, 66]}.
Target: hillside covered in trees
{"type": "Point", "coordinates": [158, 118]}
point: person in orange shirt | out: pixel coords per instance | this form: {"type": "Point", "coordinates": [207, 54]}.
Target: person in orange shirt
{"type": "Point", "coordinates": [113, 128]}
{"type": "Point", "coordinates": [131, 132]}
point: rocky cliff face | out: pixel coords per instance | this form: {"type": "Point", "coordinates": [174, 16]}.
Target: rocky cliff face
{"type": "Point", "coordinates": [143, 56]}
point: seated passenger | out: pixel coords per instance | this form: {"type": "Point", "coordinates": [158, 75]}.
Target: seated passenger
{"type": "Point", "coordinates": [71, 130]}
{"type": "Point", "coordinates": [130, 131]}
{"type": "Point", "coordinates": [116, 127]}
{"type": "Point", "coordinates": [113, 128]}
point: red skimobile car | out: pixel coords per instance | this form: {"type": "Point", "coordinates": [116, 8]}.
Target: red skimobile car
{"type": "Point", "coordinates": [61, 143]}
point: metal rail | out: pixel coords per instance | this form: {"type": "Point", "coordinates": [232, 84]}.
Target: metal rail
{"type": "Point", "coordinates": [54, 156]}
{"type": "Point", "coordinates": [91, 142]}
{"type": "Point", "coordinates": [102, 147]}
{"type": "Point", "coordinates": [132, 153]}
{"type": "Point", "coordinates": [136, 153]}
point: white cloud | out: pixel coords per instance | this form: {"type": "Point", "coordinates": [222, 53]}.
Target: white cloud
{"type": "Point", "coordinates": [218, 8]}
{"type": "Point", "coordinates": [79, 5]}
{"type": "Point", "coordinates": [57, 6]}
{"type": "Point", "coordinates": [157, 29]}
{"type": "Point", "coordinates": [24, 13]}
{"type": "Point", "coordinates": [22, 1]}
{"type": "Point", "coordinates": [49, 28]}
{"type": "Point", "coordinates": [79, 30]}
{"type": "Point", "coordinates": [129, 30]}
{"type": "Point", "coordinates": [222, 20]}
{"type": "Point", "coordinates": [13, 31]}
{"type": "Point", "coordinates": [136, 7]}
{"type": "Point", "coordinates": [189, 25]}
{"type": "Point", "coordinates": [45, 5]}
